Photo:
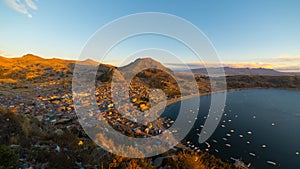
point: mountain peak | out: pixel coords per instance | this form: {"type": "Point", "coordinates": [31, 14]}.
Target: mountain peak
{"type": "Point", "coordinates": [89, 62]}
{"type": "Point", "coordinates": [31, 57]}
{"type": "Point", "coordinates": [148, 59]}
{"type": "Point", "coordinates": [142, 63]}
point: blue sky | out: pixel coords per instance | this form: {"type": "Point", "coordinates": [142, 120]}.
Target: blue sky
{"type": "Point", "coordinates": [244, 33]}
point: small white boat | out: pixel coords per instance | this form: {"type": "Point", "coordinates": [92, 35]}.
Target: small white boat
{"type": "Point", "coordinates": [228, 145]}
{"type": "Point", "coordinates": [252, 154]}
{"type": "Point", "coordinates": [272, 163]}
{"type": "Point", "coordinates": [215, 141]}
{"type": "Point", "coordinates": [225, 139]}
{"type": "Point", "coordinates": [208, 145]}
{"type": "Point", "coordinates": [228, 135]}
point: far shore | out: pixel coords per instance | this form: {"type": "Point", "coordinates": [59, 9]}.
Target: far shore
{"type": "Point", "coordinates": [175, 100]}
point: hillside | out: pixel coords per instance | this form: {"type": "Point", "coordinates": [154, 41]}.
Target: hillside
{"type": "Point", "coordinates": [25, 141]}
{"type": "Point", "coordinates": [31, 67]}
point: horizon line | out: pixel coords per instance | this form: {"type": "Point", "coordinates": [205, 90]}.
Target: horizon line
{"type": "Point", "coordinates": [177, 66]}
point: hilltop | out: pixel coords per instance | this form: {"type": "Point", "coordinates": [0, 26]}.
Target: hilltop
{"type": "Point", "coordinates": [140, 64]}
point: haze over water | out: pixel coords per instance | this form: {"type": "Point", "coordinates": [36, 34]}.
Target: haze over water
{"type": "Point", "coordinates": [259, 124]}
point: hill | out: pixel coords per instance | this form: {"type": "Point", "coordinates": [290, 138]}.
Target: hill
{"type": "Point", "coordinates": [31, 67]}
{"type": "Point", "coordinates": [34, 68]}
{"type": "Point", "coordinates": [152, 73]}
{"type": "Point", "coordinates": [140, 64]}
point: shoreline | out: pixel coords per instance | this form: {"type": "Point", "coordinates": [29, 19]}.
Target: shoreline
{"type": "Point", "coordinates": [175, 100]}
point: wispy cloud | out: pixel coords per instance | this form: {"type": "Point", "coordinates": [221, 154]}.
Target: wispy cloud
{"type": "Point", "coordinates": [196, 65]}
{"type": "Point", "coordinates": [22, 6]}
{"type": "Point", "coordinates": [31, 4]}
{"type": "Point", "coordinates": [285, 58]}
{"type": "Point", "coordinates": [5, 53]}
{"type": "Point", "coordinates": [289, 63]}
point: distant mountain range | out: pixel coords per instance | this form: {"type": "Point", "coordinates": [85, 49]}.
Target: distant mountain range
{"type": "Point", "coordinates": [229, 71]}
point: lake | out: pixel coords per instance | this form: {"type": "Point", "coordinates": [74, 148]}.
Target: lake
{"type": "Point", "coordinates": [258, 125]}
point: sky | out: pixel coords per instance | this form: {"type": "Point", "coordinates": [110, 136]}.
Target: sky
{"type": "Point", "coordinates": [244, 33]}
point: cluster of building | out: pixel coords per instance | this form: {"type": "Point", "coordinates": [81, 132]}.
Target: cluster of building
{"type": "Point", "coordinates": [57, 109]}
{"type": "Point", "coordinates": [121, 110]}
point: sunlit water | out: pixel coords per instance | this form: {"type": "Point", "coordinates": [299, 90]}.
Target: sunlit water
{"type": "Point", "coordinates": [259, 118]}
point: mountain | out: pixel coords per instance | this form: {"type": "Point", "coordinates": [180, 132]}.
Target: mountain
{"type": "Point", "coordinates": [229, 71]}
{"type": "Point", "coordinates": [143, 67]}
{"type": "Point", "coordinates": [88, 62]}
{"type": "Point", "coordinates": [140, 64]}
{"type": "Point", "coordinates": [152, 73]}
{"type": "Point", "coordinates": [32, 67]}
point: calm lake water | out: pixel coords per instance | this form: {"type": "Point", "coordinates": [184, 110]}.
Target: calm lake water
{"type": "Point", "coordinates": [271, 115]}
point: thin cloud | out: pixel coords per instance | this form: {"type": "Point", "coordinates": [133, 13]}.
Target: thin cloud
{"type": "Point", "coordinates": [285, 58]}
{"type": "Point", "coordinates": [224, 64]}
{"type": "Point", "coordinates": [289, 58]}
{"type": "Point", "coordinates": [31, 4]}
{"type": "Point", "coordinates": [23, 7]}
{"type": "Point", "coordinates": [282, 63]}
{"type": "Point", "coordinates": [8, 54]}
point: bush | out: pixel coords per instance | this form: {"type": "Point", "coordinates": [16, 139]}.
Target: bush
{"type": "Point", "coordinates": [8, 158]}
